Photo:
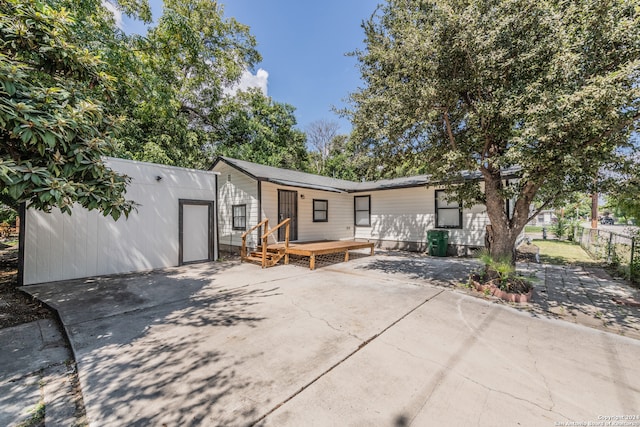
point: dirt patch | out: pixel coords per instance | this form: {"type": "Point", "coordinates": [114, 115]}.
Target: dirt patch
{"type": "Point", "coordinates": [16, 307]}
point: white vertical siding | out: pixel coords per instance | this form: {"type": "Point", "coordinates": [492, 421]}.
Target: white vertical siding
{"type": "Point", "coordinates": [405, 215]}
{"type": "Point", "coordinates": [60, 247]}
{"type": "Point", "coordinates": [339, 225]}
{"type": "Point", "coordinates": [236, 188]}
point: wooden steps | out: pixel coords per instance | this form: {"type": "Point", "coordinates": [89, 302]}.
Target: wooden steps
{"type": "Point", "coordinates": [266, 255]}
{"type": "Point", "coordinates": [272, 256]}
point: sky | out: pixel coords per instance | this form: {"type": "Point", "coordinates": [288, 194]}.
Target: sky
{"type": "Point", "coordinates": [303, 47]}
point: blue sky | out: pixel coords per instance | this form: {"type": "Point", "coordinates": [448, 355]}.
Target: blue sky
{"type": "Point", "coordinates": [303, 46]}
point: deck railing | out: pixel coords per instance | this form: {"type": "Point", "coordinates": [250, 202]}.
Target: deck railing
{"type": "Point", "coordinates": [266, 235]}
{"type": "Point", "coordinates": [243, 249]}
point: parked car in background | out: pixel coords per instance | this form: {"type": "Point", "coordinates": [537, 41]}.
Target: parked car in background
{"type": "Point", "coordinates": [606, 220]}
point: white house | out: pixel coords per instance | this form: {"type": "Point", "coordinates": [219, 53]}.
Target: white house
{"type": "Point", "coordinates": [175, 223]}
{"type": "Point", "coordinates": [393, 214]}
{"type": "Point", "coordinates": [544, 217]}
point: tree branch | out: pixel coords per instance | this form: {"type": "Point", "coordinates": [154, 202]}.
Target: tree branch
{"type": "Point", "coordinates": [452, 140]}
{"type": "Point", "coordinates": [542, 206]}
{"type": "Point", "coordinates": [614, 129]}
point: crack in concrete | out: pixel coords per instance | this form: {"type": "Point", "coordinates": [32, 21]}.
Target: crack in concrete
{"type": "Point", "coordinates": [344, 359]}
{"type": "Point", "coordinates": [520, 399]}
{"type": "Point", "coordinates": [415, 356]}
{"type": "Point", "coordinates": [535, 366]}
{"type": "Point", "coordinates": [325, 321]}
{"type": "Point", "coordinates": [484, 408]}
{"type": "Point", "coordinates": [40, 372]}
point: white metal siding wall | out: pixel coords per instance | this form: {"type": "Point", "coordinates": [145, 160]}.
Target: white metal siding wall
{"type": "Point", "coordinates": [405, 215]}
{"type": "Point", "coordinates": [60, 246]}
{"type": "Point", "coordinates": [340, 220]}
{"type": "Point", "coordinates": [236, 188]}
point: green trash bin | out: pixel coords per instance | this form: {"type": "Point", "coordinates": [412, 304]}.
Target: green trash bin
{"type": "Point", "coordinates": [437, 241]}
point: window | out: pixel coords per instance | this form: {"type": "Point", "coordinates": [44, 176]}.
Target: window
{"type": "Point", "coordinates": [362, 211]}
{"type": "Point", "coordinates": [320, 210]}
{"type": "Point", "coordinates": [448, 212]}
{"type": "Point", "coordinates": [239, 217]}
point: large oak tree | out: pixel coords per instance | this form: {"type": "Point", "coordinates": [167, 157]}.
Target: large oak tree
{"type": "Point", "coordinates": [550, 86]}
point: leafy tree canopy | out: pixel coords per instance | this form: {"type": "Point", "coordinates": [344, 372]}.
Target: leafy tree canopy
{"type": "Point", "coordinates": [75, 88]}
{"type": "Point", "coordinates": [255, 128]}
{"type": "Point", "coordinates": [623, 196]}
{"type": "Point", "coordinates": [549, 86]}
{"type": "Point", "coordinates": [53, 125]}
{"type": "Point", "coordinates": [169, 82]}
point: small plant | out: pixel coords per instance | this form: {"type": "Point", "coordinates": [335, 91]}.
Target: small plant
{"type": "Point", "coordinates": [504, 268]}
{"type": "Point", "coordinates": [500, 273]}
{"type": "Point", "coordinates": [465, 285]}
{"type": "Point", "coordinates": [485, 257]}
{"type": "Point", "coordinates": [37, 416]}
{"type": "Point", "coordinates": [560, 228]}
{"type": "Point", "coordinates": [571, 233]}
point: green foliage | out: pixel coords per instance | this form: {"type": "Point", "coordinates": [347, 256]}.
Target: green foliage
{"type": "Point", "coordinates": [7, 215]}
{"type": "Point", "coordinates": [37, 416]}
{"type": "Point", "coordinates": [172, 80]}
{"type": "Point", "coordinates": [53, 126]}
{"type": "Point", "coordinates": [560, 228]}
{"type": "Point", "coordinates": [623, 199]}
{"type": "Point", "coordinates": [255, 128]}
{"type": "Point", "coordinates": [571, 230]}
{"type": "Point", "coordinates": [503, 266]}
{"type": "Point", "coordinates": [485, 257]}
{"type": "Point", "coordinates": [551, 87]}
{"type": "Point", "coordinates": [76, 88]}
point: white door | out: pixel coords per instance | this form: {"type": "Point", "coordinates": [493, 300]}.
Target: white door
{"type": "Point", "coordinates": [196, 231]}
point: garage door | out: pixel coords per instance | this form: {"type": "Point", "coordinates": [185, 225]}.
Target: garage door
{"type": "Point", "coordinates": [196, 223]}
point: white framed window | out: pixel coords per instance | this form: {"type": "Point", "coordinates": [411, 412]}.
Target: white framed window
{"type": "Point", "coordinates": [320, 210]}
{"type": "Point", "coordinates": [362, 211]}
{"type": "Point", "coordinates": [239, 217]}
{"type": "Point", "coordinates": [448, 212]}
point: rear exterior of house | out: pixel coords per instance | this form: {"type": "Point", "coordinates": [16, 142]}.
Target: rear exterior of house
{"type": "Point", "coordinates": [393, 214]}
{"type": "Point", "coordinates": [246, 200]}
{"type": "Point", "coordinates": [175, 223]}
{"type": "Point", "coordinates": [401, 217]}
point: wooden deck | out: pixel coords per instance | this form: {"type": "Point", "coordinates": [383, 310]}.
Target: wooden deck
{"type": "Point", "coordinates": [311, 249]}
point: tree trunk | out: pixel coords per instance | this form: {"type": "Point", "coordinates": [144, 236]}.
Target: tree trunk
{"type": "Point", "coordinates": [504, 231]}
{"type": "Point", "coordinates": [503, 245]}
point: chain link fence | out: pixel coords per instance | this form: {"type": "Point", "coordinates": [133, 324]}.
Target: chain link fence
{"type": "Point", "coordinates": [617, 250]}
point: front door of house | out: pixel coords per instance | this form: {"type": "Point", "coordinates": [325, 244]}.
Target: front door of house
{"type": "Point", "coordinates": [288, 208]}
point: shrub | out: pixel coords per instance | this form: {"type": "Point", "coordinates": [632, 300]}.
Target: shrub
{"type": "Point", "coordinates": [559, 229]}
{"type": "Point", "coordinates": [7, 214]}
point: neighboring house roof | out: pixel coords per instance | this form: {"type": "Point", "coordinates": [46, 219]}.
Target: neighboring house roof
{"type": "Point", "coordinates": [308, 180]}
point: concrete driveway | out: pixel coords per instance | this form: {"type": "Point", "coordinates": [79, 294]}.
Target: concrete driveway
{"type": "Point", "coordinates": [348, 344]}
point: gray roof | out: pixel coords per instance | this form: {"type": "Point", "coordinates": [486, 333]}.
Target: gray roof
{"type": "Point", "coordinates": [308, 180]}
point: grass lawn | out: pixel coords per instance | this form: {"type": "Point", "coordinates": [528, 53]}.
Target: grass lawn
{"type": "Point", "coordinates": [533, 229]}
{"type": "Point", "coordinates": [561, 252]}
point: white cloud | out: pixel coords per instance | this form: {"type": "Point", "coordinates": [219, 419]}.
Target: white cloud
{"type": "Point", "coordinates": [249, 80]}
{"type": "Point", "coordinates": [117, 14]}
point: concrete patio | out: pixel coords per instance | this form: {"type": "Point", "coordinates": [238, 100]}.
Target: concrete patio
{"type": "Point", "coordinates": [383, 340]}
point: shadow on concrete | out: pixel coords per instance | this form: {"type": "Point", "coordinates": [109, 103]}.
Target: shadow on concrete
{"type": "Point", "coordinates": [588, 295]}
{"type": "Point", "coordinates": [443, 271]}
{"type": "Point", "coordinates": [138, 341]}
{"type": "Point", "coordinates": [581, 294]}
